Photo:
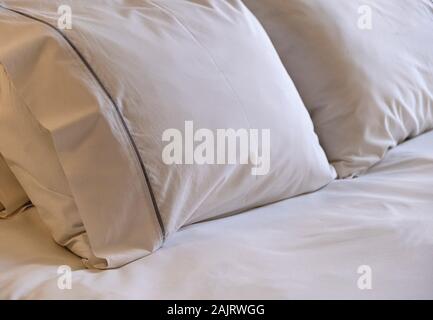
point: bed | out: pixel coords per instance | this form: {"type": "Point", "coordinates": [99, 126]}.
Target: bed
{"type": "Point", "coordinates": [302, 248]}
{"type": "Point", "coordinates": [216, 149]}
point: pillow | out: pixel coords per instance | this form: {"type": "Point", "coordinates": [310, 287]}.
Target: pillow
{"type": "Point", "coordinates": [12, 195]}
{"type": "Point", "coordinates": [363, 69]}
{"type": "Point", "coordinates": [150, 117]}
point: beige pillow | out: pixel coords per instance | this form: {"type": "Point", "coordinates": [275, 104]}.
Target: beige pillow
{"type": "Point", "coordinates": [362, 67]}
{"type": "Point", "coordinates": [138, 76]}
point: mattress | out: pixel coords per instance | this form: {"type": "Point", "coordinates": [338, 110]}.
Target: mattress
{"type": "Point", "coordinates": [311, 246]}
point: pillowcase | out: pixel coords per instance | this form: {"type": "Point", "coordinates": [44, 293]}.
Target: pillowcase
{"type": "Point", "coordinates": [12, 195]}
{"type": "Point", "coordinates": [150, 117]}
{"type": "Point", "coordinates": [363, 69]}
{"type": "Point", "coordinates": [37, 167]}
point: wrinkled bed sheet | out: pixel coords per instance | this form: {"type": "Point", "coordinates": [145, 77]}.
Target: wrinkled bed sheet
{"type": "Point", "coordinates": [307, 247]}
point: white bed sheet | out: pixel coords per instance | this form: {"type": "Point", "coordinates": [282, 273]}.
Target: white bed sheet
{"type": "Point", "coordinates": [307, 247]}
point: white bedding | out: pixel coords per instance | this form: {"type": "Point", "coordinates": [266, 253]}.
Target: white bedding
{"type": "Point", "coordinates": [120, 132]}
{"type": "Point", "coordinates": [307, 247]}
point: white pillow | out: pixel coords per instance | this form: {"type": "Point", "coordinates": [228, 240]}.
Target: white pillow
{"type": "Point", "coordinates": [153, 68]}
{"type": "Point", "coordinates": [366, 89]}
{"type": "Point", "coordinates": [12, 195]}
